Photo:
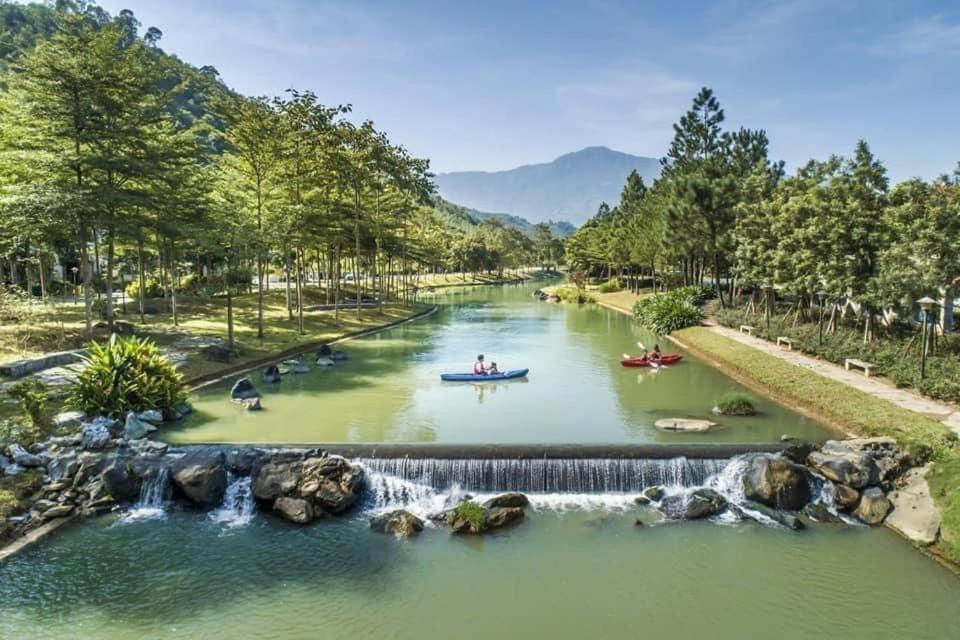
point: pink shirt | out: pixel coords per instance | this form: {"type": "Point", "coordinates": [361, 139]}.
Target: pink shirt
{"type": "Point", "coordinates": [478, 368]}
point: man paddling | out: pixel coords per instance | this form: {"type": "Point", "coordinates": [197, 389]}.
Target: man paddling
{"type": "Point", "coordinates": [479, 368]}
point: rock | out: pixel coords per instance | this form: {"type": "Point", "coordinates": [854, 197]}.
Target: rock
{"type": "Point", "coordinates": [914, 515]}
{"type": "Point", "coordinates": [201, 477]}
{"type": "Point", "coordinates": [58, 512]}
{"type": "Point", "coordinates": [23, 458]}
{"type": "Point", "coordinates": [96, 433]}
{"type": "Point", "coordinates": [218, 353]}
{"type": "Point", "coordinates": [858, 462]}
{"type": "Point", "coordinates": [294, 509]}
{"type": "Point", "coordinates": [63, 467]}
{"type": "Point", "coordinates": [401, 523]}
{"type": "Point", "coordinates": [653, 494]}
{"type": "Point", "coordinates": [798, 452]}
{"type": "Point", "coordinates": [845, 497]}
{"type": "Point", "coordinates": [641, 499]}
{"type": "Point", "coordinates": [68, 420]}
{"type": "Point", "coordinates": [271, 375]}
{"type": "Point", "coordinates": [776, 482]}
{"type": "Point", "coordinates": [700, 503]}
{"type": "Point", "coordinates": [251, 404]}
{"type": "Point", "coordinates": [272, 480]}
{"type": "Point", "coordinates": [9, 468]}
{"type": "Point", "coordinates": [498, 517]}
{"type": "Point", "coordinates": [325, 361]}
{"type": "Point", "coordinates": [183, 409]}
{"type": "Point", "coordinates": [786, 437]}
{"type": "Point", "coordinates": [507, 500]}
{"type": "Point", "coordinates": [295, 366]}
{"type": "Point", "coordinates": [780, 517]}
{"type": "Point", "coordinates": [685, 425]}
{"type": "Point", "coordinates": [331, 483]}
{"type": "Point", "coordinates": [338, 356]}
{"type": "Point", "coordinates": [818, 512]}
{"type": "Point", "coordinates": [325, 351]}
{"type": "Point", "coordinates": [873, 507]}
{"type": "Point", "coordinates": [120, 483]}
{"type": "Point", "coordinates": [243, 389]}
{"type": "Point", "coordinates": [43, 505]}
{"type": "Point", "coordinates": [241, 461]}
{"type": "Point", "coordinates": [153, 416]}
{"type": "Point", "coordinates": [135, 428]}
{"type": "Point", "coordinates": [149, 447]}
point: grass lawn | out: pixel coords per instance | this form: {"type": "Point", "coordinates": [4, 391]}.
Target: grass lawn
{"type": "Point", "coordinates": [621, 300]}
{"type": "Point", "coordinates": [849, 409]}
{"type": "Point", "coordinates": [461, 279]}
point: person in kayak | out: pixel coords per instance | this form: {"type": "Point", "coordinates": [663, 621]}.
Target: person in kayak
{"type": "Point", "coordinates": [479, 369]}
{"type": "Point", "coordinates": [493, 368]}
{"type": "Point", "coordinates": [656, 356]}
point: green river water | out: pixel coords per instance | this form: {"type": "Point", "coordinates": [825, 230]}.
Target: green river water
{"type": "Point", "coordinates": [577, 568]}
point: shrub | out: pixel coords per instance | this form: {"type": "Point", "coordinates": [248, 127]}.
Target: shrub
{"type": "Point", "coordinates": [734, 404]}
{"type": "Point", "coordinates": [32, 395]}
{"type": "Point", "coordinates": [610, 286]}
{"type": "Point", "coordinates": [13, 304]}
{"type": "Point", "coordinates": [126, 374]}
{"type": "Point", "coordinates": [571, 294]}
{"type": "Point", "coordinates": [663, 313]}
{"type": "Point", "coordinates": [697, 294]}
{"type": "Point", "coordinates": [471, 512]}
{"type": "Point", "coordinates": [151, 286]}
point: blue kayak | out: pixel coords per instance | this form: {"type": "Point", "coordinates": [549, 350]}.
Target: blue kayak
{"type": "Point", "coordinates": [487, 377]}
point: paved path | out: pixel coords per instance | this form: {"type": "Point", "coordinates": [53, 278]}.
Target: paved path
{"type": "Point", "coordinates": [906, 398]}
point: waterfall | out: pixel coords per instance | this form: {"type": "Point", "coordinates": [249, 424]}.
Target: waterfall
{"type": "Point", "coordinates": [238, 506]}
{"type": "Point", "coordinates": [430, 485]}
{"type": "Point", "coordinates": [154, 494]}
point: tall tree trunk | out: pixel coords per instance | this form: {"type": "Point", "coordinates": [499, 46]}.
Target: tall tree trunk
{"type": "Point", "coordinates": [87, 279]}
{"type": "Point", "coordinates": [356, 236]}
{"type": "Point", "coordinates": [301, 268]}
{"type": "Point", "coordinates": [286, 267]}
{"type": "Point", "coordinates": [226, 282]}
{"type": "Point", "coordinates": [141, 277]}
{"type": "Point", "coordinates": [260, 266]}
{"type": "Point", "coordinates": [108, 284]}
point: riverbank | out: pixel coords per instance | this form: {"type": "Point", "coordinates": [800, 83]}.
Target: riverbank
{"type": "Point", "coordinates": [461, 279]}
{"type": "Point", "coordinates": [621, 301]}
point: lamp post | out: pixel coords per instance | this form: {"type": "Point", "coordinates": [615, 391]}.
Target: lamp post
{"type": "Point", "coordinates": [821, 296]}
{"type": "Point", "coordinates": [927, 304]}
{"type": "Point", "coordinates": [123, 292]}
{"type": "Point", "coordinates": [75, 285]}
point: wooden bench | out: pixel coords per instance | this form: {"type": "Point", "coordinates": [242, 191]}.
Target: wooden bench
{"type": "Point", "coordinates": [745, 328]}
{"type": "Point", "coordinates": [784, 340]}
{"type": "Point", "coordinates": [860, 364]}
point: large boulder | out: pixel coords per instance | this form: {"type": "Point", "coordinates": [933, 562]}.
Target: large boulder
{"type": "Point", "coordinates": [219, 353]}
{"type": "Point", "coordinates": [120, 482]}
{"type": "Point", "coordinates": [873, 507]}
{"type": "Point", "coordinates": [858, 462]}
{"type": "Point", "coordinates": [788, 520]}
{"type": "Point", "coordinates": [275, 479]}
{"type": "Point", "coordinates": [329, 483]}
{"type": "Point", "coordinates": [479, 519]}
{"type": "Point", "coordinates": [202, 477]}
{"type": "Point", "coordinates": [135, 427]}
{"type": "Point", "coordinates": [776, 482]}
{"type": "Point", "coordinates": [271, 375]}
{"type": "Point", "coordinates": [68, 420]}
{"type": "Point", "coordinates": [498, 517]}
{"type": "Point", "coordinates": [507, 500]}
{"type": "Point", "coordinates": [845, 497]}
{"type": "Point", "coordinates": [24, 458]}
{"type": "Point", "coordinates": [64, 466]}
{"type": "Point", "coordinates": [401, 523]}
{"type": "Point", "coordinates": [295, 510]}
{"type": "Point", "coordinates": [697, 504]}
{"type": "Point", "coordinates": [96, 434]}
{"type": "Point", "coordinates": [914, 514]}
{"type": "Point", "coordinates": [818, 512]}
{"type": "Point", "coordinates": [153, 416]}
{"type": "Point", "coordinates": [243, 389]}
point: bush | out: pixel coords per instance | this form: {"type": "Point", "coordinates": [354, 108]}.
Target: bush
{"type": "Point", "coordinates": [574, 295]}
{"type": "Point", "coordinates": [734, 404]}
{"type": "Point", "coordinates": [126, 374]}
{"type": "Point", "coordinates": [32, 395]}
{"type": "Point", "coordinates": [151, 286]}
{"type": "Point", "coordinates": [610, 286]}
{"type": "Point", "coordinates": [471, 512]}
{"type": "Point", "coordinates": [696, 294]}
{"type": "Point", "coordinates": [663, 313]}
{"type": "Point", "coordinates": [13, 304]}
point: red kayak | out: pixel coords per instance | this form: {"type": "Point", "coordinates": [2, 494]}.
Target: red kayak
{"type": "Point", "coordinates": [646, 362]}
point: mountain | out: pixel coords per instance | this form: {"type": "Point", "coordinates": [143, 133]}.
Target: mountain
{"type": "Point", "coordinates": [465, 217]}
{"type": "Point", "coordinates": [569, 188]}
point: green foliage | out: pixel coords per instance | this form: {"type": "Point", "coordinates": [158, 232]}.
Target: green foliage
{"type": "Point", "coordinates": [13, 304]}
{"type": "Point", "coordinates": [33, 398]}
{"type": "Point", "coordinates": [611, 286]}
{"type": "Point", "coordinates": [471, 512]}
{"type": "Point", "coordinates": [666, 312]}
{"type": "Point", "coordinates": [735, 404]}
{"type": "Point", "coordinates": [126, 374]}
{"type": "Point", "coordinates": [151, 287]}
{"type": "Point", "coordinates": [573, 295]}
{"type": "Point", "coordinates": [944, 481]}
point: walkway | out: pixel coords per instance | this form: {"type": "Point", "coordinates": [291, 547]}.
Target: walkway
{"type": "Point", "coordinates": [878, 387]}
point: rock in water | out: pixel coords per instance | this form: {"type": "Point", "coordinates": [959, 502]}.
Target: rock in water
{"type": "Point", "coordinates": [845, 497]}
{"type": "Point", "coordinates": [120, 483]}
{"type": "Point", "coordinates": [686, 425]}
{"type": "Point", "coordinates": [818, 512]}
{"type": "Point", "coordinates": [858, 462]}
{"type": "Point", "coordinates": [788, 520]}
{"type": "Point", "coordinates": [700, 503]}
{"type": "Point", "coordinates": [329, 483]}
{"type": "Point", "coordinates": [338, 356]}
{"type": "Point", "coordinates": [251, 404]}
{"type": "Point", "coordinates": [271, 375]}
{"type": "Point", "coordinates": [135, 428]}
{"type": "Point", "coordinates": [243, 389]}
{"type": "Point", "coordinates": [295, 366]}
{"type": "Point", "coordinates": [776, 482]}
{"type": "Point", "coordinates": [58, 512]}
{"type": "Point", "coordinates": [401, 523]}
{"type": "Point", "coordinates": [295, 510]}
{"type": "Point", "coordinates": [325, 361]}
{"type": "Point", "coordinates": [873, 507]}
{"type": "Point", "coordinates": [201, 477]}
{"type": "Point", "coordinates": [653, 494]}
{"type": "Point", "coordinates": [153, 416]}
{"type": "Point", "coordinates": [507, 500]}
{"type": "Point", "coordinates": [498, 517]}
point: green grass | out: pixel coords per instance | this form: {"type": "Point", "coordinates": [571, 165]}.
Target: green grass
{"type": "Point", "coordinates": [735, 404]}
{"type": "Point", "coordinates": [15, 492]}
{"type": "Point", "coordinates": [472, 512]}
{"type": "Point", "coordinates": [851, 409]}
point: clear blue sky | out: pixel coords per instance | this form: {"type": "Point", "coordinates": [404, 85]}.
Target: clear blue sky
{"type": "Point", "coordinates": [492, 84]}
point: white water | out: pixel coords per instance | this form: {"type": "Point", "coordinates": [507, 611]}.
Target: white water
{"type": "Point", "coordinates": [154, 495]}
{"type": "Point", "coordinates": [238, 506]}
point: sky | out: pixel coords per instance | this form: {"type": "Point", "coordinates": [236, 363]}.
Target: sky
{"type": "Point", "coordinates": [496, 84]}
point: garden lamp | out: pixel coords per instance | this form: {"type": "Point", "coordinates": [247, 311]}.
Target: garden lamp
{"type": "Point", "coordinates": [927, 304]}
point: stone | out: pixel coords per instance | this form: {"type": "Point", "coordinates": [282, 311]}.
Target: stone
{"type": "Point", "coordinates": [271, 375]}
{"type": "Point", "coordinates": [873, 507]}
{"type": "Point", "coordinates": [218, 353]}
{"type": "Point", "coordinates": [149, 447]}
{"type": "Point", "coordinates": [120, 483]}
{"type": "Point", "coordinates": [59, 511]}
{"type": "Point", "coordinates": [858, 462]}
{"type": "Point", "coordinates": [68, 420]}
{"type": "Point", "coordinates": [251, 404]}
{"type": "Point", "coordinates": [243, 389]}
{"type": "Point", "coordinates": [786, 437]}
{"type": "Point", "coordinates": [498, 517]}
{"type": "Point", "coordinates": [787, 520]}
{"type": "Point", "coordinates": [697, 504]}
{"type": "Point", "coordinates": [798, 452]}
{"type": "Point", "coordinates": [201, 476]}
{"type": "Point", "coordinates": [272, 480]}
{"type": "Point", "coordinates": [135, 428]}
{"type": "Point", "coordinates": [845, 497]}
{"type": "Point", "coordinates": [153, 416]}
{"type": "Point", "coordinates": [296, 367]}
{"type": "Point", "coordinates": [401, 523]}
{"type": "Point", "coordinates": [914, 514]}
{"type": "Point", "coordinates": [641, 499]}
{"type": "Point", "coordinates": [24, 458]}
{"type": "Point", "coordinates": [507, 500]}
{"type": "Point", "coordinates": [65, 466]}
{"type": "Point", "coordinates": [684, 425]}
{"type": "Point", "coordinates": [653, 494]}
{"type": "Point", "coordinates": [295, 510]}
{"type": "Point", "coordinates": [325, 361]}
{"type": "Point", "coordinates": [818, 512]}
{"type": "Point", "coordinates": [9, 468]}
{"type": "Point", "coordinates": [96, 433]}
{"type": "Point", "coordinates": [43, 505]}
{"type": "Point", "coordinates": [776, 482]}
{"type": "Point", "coordinates": [325, 351]}
{"type": "Point", "coordinates": [339, 356]}
{"type": "Point", "coordinates": [183, 409]}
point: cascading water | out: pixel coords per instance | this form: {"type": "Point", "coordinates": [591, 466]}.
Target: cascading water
{"type": "Point", "coordinates": [238, 505]}
{"type": "Point", "coordinates": [154, 495]}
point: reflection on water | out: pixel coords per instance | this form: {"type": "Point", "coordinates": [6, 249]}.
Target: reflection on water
{"type": "Point", "coordinates": [576, 391]}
